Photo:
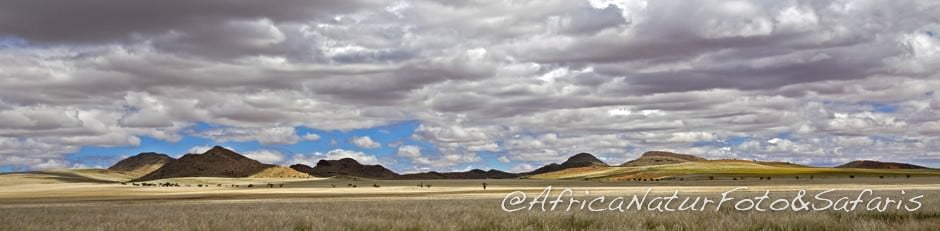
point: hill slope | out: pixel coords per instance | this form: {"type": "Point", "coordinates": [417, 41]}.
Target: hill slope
{"type": "Point", "coordinates": [577, 161]}
{"type": "Point", "coordinates": [216, 162]}
{"type": "Point", "coordinates": [661, 157]}
{"type": "Point", "coordinates": [280, 172]}
{"type": "Point", "coordinates": [722, 169]}
{"type": "Point", "coordinates": [345, 166]}
{"type": "Point", "coordinates": [871, 164]}
{"type": "Point", "coordinates": [142, 164]}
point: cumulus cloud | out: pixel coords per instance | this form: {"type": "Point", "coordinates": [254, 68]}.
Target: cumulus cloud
{"type": "Point", "coordinates": [531, 81]}
{"type": "Point", "coordinates": [272, 135]}
{"type": "Point", "coordinates": [413, 153]}
{"type": "Point", "coordinates": [365, 142]}
{"type": "Point", "coordinates": [266, 156]}
{"type": "Point", "coordinates": [311, 137]}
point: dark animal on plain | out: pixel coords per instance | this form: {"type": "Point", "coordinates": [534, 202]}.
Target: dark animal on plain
{"type": "Point", "coordinates": [376, 185]}
{"type": "Point", "coordinates": [484, 185]}
{"type": "Point", "coordinates": [250, 185]}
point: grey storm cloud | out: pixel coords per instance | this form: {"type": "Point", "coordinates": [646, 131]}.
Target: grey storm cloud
{"type": "Point", "coordinates": [110, 20]}
{"type": "Point", "coordinates": [533, 81]}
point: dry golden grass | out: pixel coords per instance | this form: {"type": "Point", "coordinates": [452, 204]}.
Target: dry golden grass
{"type": "Point", "coordinates": [74, 201]}
{"type": "Point", "coordinates": [428, 214]}
{"type": "Point", "coordinates": [280, 172]}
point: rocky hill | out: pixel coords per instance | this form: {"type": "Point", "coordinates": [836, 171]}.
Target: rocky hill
{"type": "Point", "coordinates": [660, 157]}
{"type": "Point", "coordinates": [345, 166]}
{"type": "Point", "coordinates": [142, 164]}
{"type": "Point", "coordinates": [577, 161]}
{"type": "Point", "coordinates": [216, 162]}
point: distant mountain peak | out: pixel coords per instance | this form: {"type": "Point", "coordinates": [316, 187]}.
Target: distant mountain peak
{"type": "Point", "coordinates": [576, 161]}
{"type": "Point", "coordinates": [143, 163]}
{"type": "Point", "coordinates": [222, 151]}
{"type": "Point", "coordinates": [582, 160]}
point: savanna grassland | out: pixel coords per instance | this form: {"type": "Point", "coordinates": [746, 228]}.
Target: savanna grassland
{"type": "Point", "coordinates": [90, 200]}
{"type": "Point", "coordinates": [428, 214]}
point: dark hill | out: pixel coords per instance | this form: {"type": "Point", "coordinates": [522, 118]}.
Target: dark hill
{"type": "Point", "coordinates": [142, 163]}
{"type": "Point", "coordinates": [871, 164]}
{"type": "Point", "coordinates": [216, 162]}
{"type": "Point", "coordinates": [472, 174]}
{"type": "Point", "coordinates": [345, 166]}
{"type": "Point", "coordinates": [661, 157]}
{"type": "Point", "coordinates": [577, 161]}
{"type": "Point", "coordinates": [582, 160]}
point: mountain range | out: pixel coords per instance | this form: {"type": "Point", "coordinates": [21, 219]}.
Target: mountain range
{"type": "Point", "coordinates": [221, 162]}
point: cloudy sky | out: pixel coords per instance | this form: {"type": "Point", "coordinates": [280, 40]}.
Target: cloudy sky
{"type": "Point", "coordinates": [450, 85]}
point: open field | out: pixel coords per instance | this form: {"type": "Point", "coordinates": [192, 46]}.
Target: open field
{"type": "Point", "coordinates": [87, 200]}
{"type": "Point", "coordinates": [426, 213]}
{"type": "Point", "coordinates": [729, 169]}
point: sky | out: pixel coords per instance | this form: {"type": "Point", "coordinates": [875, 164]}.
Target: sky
{"type": "Point", "coordinates": [419, 85]}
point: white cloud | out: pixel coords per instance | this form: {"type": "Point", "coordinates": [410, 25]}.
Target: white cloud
{"type": "Point", "coordinates": [272, 135]}
{"type": "Point", "coordinates": [536, 80]}
{"type": "Point", "coordinates": [199, 149]}
{"type": "Point", "coordinates": [311, 137]}
{"type": "Point", "coordinates": [413, 153]}
{"type": "Point", "coordinates": [365, 142]}
{"type": "Point", "coordinates": [266, 156]}
{"type": "Point", "coordinates": [522, 167]}
{"type": "Point", "coordinates": [410, 151]}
